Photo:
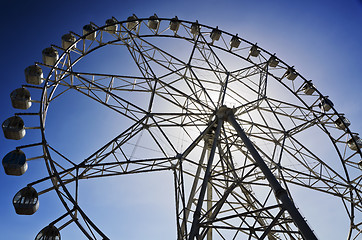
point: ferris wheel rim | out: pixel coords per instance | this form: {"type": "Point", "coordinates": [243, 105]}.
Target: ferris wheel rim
{"type": "Point", "coordinates": [44, 104]}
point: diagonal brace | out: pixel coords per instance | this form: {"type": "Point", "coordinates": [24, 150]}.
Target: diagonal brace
{"type": "Point", "coordinates": [194, 232]}
{"type": "Point", "coordinates": [280, 193]}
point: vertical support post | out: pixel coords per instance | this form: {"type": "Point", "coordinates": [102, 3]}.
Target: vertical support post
{"type": "Point", "coordinates": [209, 206]}
{"type": "Point", "coordinates": [180, 201]}
{"type": "Point", "coordinates": [197, 174]}
{"type": "Point", "coordinates": [280, 193]}
{"type": "Point", "coordinates": [194, 232]}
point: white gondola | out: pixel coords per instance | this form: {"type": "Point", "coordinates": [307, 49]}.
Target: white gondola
{"type": "Point", "coordinates": [326, 104]}
{"type": "Point", "coordinates": [273, 61]}
{"type": "Point", "coordinates": [34, 75]}
{"type": "Point", "coordinates": [308, 88]}
{"type": "Point", "coordinates": [14, 128]}
{"type": "Point", "coordinates": [235, 42]}
{"type": "Point", "coordinates": [48, 233]}
{"type": "Point", "coordinates": [291, 74]}
{"type": "Point", "coordinates": [355, 142]}
{"type": "Point", "coordinates": [50, 56]}
{"type": "Point", "coordinates": [14, 163]}
{"type": "Point", "coordinates": [174, 24]}
{"type": "Point", "coordinates": [20, 98]}
{"type": "Point", "coordinates": [215, 34]}
{"type": "Point", "coordinates": [89, 32]}
{"type": "Point", "coordinates": [26, 201]}
{"type": "Point", "coordinates": [153, 22]}
{"type": "Point", "coordinates": [254, 51]}
{"type": "Point", "coordinates": [68, 40]}
{"type": "Point", "coordinates": [132, 22]}
{"type": "Point", "coordinates": [342, 123]}
{"type": "Point", "coordinates": [195, 28]}
{"type": "Point", "coordinates": [112, 26]}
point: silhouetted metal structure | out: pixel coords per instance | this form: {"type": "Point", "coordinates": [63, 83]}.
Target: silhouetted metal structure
{"type": "Point", "coordinates": [238, 110]}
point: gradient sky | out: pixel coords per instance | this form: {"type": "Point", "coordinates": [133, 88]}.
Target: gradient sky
{"type": "Point", "coordinates": [321, 38]}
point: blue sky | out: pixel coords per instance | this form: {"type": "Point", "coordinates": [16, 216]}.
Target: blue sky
{"type": "Point", "coordinates": [321, 38]}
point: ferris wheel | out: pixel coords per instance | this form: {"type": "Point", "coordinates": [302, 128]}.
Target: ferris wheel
{"type": "Point", "coordinates": [240, 130]}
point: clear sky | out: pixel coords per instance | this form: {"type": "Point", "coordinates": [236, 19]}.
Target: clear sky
{"type": "Point", "coordinates": [321, 38]}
